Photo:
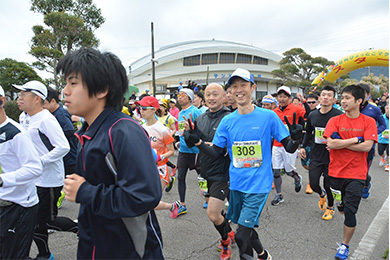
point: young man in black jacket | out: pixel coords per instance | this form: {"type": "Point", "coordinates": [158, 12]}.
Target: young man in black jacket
{"type": "Point", "coordinates": [117, 183]}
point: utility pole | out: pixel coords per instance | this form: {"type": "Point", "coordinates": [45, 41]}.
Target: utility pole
{"type": "Point", "coordinates": [153, 65]}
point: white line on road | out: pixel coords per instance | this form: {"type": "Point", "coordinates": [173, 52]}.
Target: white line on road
{"type": "Point", "coordinates": [374, 232]}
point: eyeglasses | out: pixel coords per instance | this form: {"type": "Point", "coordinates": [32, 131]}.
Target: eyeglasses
{"type": "Point", "coordinates": [146, 108]}
{"type": "Point", "coordinates": [181, 95]}
{"type": "Point", "coordinates": [311, 102]}
{"type": "Point", "coordinates": [23, 95]}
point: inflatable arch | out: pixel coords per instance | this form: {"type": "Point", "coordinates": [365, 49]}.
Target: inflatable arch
{"type": "Point", "coordinates": [379, 57]}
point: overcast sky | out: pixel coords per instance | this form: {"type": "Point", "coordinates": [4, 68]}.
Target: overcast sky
{"type": "Point", "coordinates": [331, 29]}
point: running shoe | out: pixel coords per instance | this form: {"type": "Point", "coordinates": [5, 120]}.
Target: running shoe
{"type": "Point", "coordinates": [182, 210]}
{"type": "Point", "coordinates": [226, 253]}
{"type": "Point", "coordinates": [173, 172]}
{"type": "Point", "coordinates": [61, 200]}
{"type": "Point", "coordinates": [269, 257]}
{"type": "Point", "coordinates": [298, 184]}
{"type": "Point", "coordinates": [322, 202]}
{"type": "Point", "coordinates": [170, 184]}
{"type": "Point", "coordinates": [328, 215]}
{"type": "Point", "coordinates": [309, 189]}
{"type": "Point", "coordinates": [387, 168]}
{"type": "Point", "coordinates": [342, 252]}
{"type": "Point", "coordinates": [205, 205]}
{"type": "Point", "coordinates": [273, 185]}
{"type": "Point", "coordinates": [277, 200]}
{"type": "Point", "coordinates": [51, 257]}
{"type": "Point", "coordinates": [366, 191]}
{"type": "Point", "coordinates": [231, 235]}
{"type": "Point", "coordinates": [175, 210]}
{"type": "Point", "coordinates": [382, 162]}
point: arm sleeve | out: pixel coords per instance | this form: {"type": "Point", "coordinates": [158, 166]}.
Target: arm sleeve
{"type": "Point", "coordinates": [31, 167]}
{"type": "Point", "coordinates": [381, 121]}
{"type": "Point", "coordinates": [308, 134]}
{"type": "Point", "coordinates": [211, 151]}
{"type": "Point", "coordinates": [138, 188]}
{"type": "Point", "coordinates": [52, 129]}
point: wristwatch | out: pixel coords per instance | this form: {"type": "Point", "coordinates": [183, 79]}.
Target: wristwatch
{"type": "Point", "coordinates": [162, 157]}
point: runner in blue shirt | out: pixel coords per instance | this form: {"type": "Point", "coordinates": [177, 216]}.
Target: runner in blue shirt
{"type": "Point", "coordinates": [247, 134]}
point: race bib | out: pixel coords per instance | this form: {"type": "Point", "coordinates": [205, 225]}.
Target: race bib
{"type": "Point", "coordinates": [385, 134]}
{"type": "Point", "coordinates": [247, 154]}
{"type": "Point", "coordinates": [319, 135]}
{"type": "Point", "coordinates": [181, 128]}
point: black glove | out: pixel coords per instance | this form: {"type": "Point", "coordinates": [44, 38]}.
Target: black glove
{"type": "Point", "coordinates": [192, 136]}
{"type": "Point", "coordinates": [296, 130]}
{"type": "Point", "coordinates": [335, 135]}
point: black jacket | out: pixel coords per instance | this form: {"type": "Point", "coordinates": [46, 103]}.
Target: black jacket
{"type": "Point", "coordinates": [207, 123]}
{"type": "Point", "coordinates": [108, 196]}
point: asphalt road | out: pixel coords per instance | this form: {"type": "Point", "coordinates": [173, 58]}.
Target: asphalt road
{"type": "Point", "coordinates": [292, 230]}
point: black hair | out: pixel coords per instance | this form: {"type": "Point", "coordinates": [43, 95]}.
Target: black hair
{"type": "Point", "coordinates": [227, 86]}
{"type": "Point", "coordinates": [329, 88]}
{"type": "Point", "coordinates": [52, 94]}
{"type": "Point", "coordinates": [356, 91]}
{"type": "Point", "coordinates": [199, 94]}
{"type": "Point", "coordinates": [99, 72]}
{"type": "Point", "coordinates": [312, 96]}
{"type": "Point", "coordinates": [295, 98]}
{"type": "Point", "coordinates": [366, 87]}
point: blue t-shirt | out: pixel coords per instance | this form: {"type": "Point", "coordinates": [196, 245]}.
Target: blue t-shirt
{"type": "Point", "coordinates": [194, 114]}
{"type": "Point", "coordinates": [381, 139]}
{"type": "Point", "coordinates": [259, 125]}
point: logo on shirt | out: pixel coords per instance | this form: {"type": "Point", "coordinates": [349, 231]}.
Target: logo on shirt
{"type": "Point", "coordinates": [3, 137]}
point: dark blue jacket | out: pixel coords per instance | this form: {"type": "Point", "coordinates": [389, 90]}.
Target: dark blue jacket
{"type": "Point", "coordinates": [107, 199]}
{"type": "Point", "coordinates": [65, 121]}
{"type": "Point", "coordinates": [374, 112]}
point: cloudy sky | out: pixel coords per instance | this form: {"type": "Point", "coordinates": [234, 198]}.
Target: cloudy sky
{"type": "Point", "coordinates": [331, 29]}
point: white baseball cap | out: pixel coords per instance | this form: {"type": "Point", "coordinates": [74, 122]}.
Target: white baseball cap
{"type": "Point", "coordinates": [241, 73]}
{"type": "Point", "coordinates": [2, 91]}
{"type": "Point", "coordinates": [35, 87]}
{"type": "Point", "coordinates": [285, 89]}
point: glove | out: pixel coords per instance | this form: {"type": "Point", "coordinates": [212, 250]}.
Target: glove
{"type": "Point", "coordinates": [335, 135]}
{"type": "Point", "coordinates": [360, 139]}
{"type": "Point", "coordinates": [295, 129]}
{"type": "Point", "coordinates": [192, 136]}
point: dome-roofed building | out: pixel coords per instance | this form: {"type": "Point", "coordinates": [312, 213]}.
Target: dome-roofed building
{"type": "Point", "coordinates": [204, 61]}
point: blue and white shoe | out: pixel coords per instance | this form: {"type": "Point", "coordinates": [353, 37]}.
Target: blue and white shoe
{"type": "Point", "coordinates": [182, 210]}
{"type": "Point", "coordinates": [366, 191]}
{"type": "Point", "coordinates": [342, 252]}
{"type": "Point", "coordinates": [205, 205]}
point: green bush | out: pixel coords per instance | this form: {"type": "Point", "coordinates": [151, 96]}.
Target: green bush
{"type": "Point", "coordinates": [12, 110]}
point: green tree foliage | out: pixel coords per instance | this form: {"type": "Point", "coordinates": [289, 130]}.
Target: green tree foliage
{"type": "Point", "coordinates": [70, 24]}
{"type": "Point", "coordinates": [374, 82]}
{"type": "Point", "coordinates": [298, 69]}
{"type": "Point", "coordinates": [15, 72]}
{"type": "Point", "coordinates": [12, 110]}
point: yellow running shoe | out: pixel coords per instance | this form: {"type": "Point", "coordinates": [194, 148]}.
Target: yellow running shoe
{"type": "Point", "coordinates": [309, 189]}
{"type": "Point", "coordinates": [322, 202]}
{"type": "Point", "coordinates": [328, 215]}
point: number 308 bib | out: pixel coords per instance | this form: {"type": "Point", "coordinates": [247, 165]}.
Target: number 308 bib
{"type": "Point", "coordinates": [247, 154]}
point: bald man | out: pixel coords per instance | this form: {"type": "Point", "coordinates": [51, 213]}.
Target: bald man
{"type": "Point", "coordinates": [216, 172]}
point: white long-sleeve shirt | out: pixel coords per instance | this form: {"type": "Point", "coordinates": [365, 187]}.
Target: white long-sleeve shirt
{"type": "Point", "coordinates": [53, 167]}
{"type": "Point", "coordinates": [20, 164]}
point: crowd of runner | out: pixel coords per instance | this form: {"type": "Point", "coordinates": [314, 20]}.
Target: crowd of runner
{"type": "Point", "coordinates": [239, 149]}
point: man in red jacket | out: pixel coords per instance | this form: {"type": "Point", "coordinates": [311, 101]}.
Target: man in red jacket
{"type": "Point", "coordinates": [281, 159]}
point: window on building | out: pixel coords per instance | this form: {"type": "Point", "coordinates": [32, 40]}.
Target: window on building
{"type": "Point", "coordinates": [210, 58]}
{"type": "Point", "coordinates": [227, 58]}
{"type": "Point", "coordinates": [191, 61]}
{"type": "Point", "coordinates": [260, 60]}
{"type": "Point", "coordinates": [260, 94]}
{"type": "Point", "coordinates": [244, 58]}
{"type": "Point", "coordinates": [161, 88]}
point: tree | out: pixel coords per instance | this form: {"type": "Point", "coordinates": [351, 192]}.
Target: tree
{"type": "Point", "coordinates": [298, 69]}
{"type": "Point", "coordinates": [70, 24]}
{"type": "Point", "coordinates": [380, 83]}
{"type": "Point", "coordinates": [15, 72]}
